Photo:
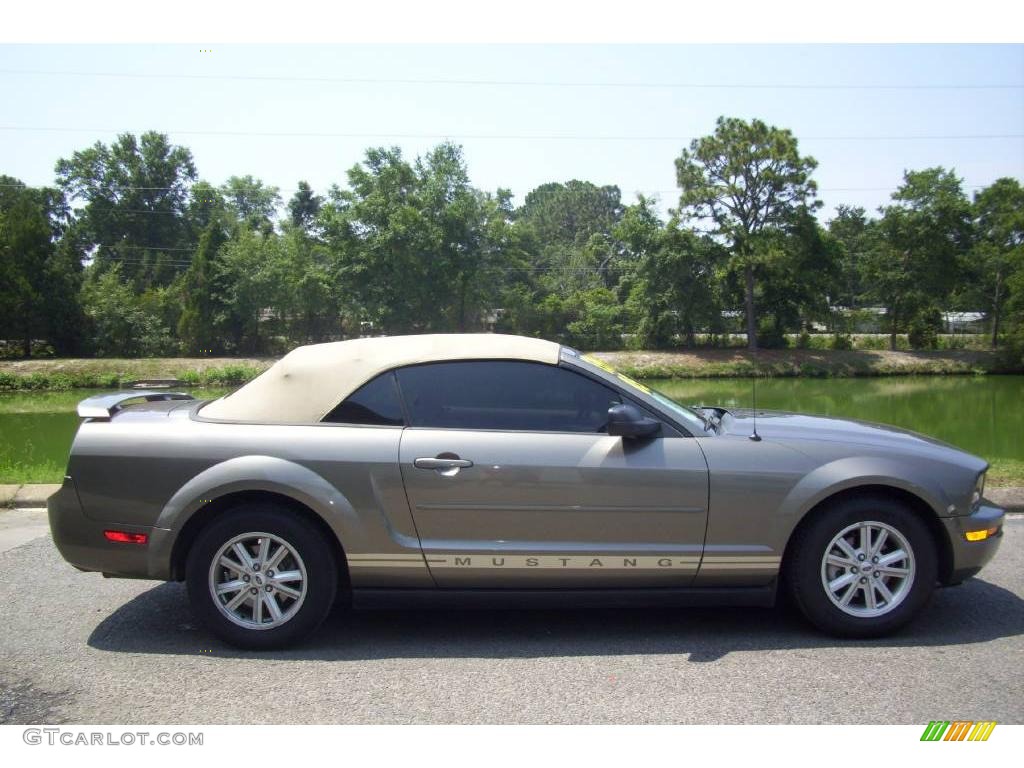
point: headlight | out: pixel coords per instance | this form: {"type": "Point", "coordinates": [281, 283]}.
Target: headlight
{"type": "Point", "coordinates": [979, 490]}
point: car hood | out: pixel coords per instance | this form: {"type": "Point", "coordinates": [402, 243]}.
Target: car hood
{"type": "Point", "coordinates": [781, 425]}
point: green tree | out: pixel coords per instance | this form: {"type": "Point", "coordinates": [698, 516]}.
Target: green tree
{"type": "Point", "coordinates": [926, 231]}
{"type": "Point", "coordinates": [673, 291]}
{"type": "Point", "coordinates": [136, 192]}
{"type": "Point", "coordinates": [202, 292]}
{"type": "Point", "coordinates": [594, 319]}
{"type": "Point", "coordinates": [856, 236]}
{"type": "Point", "coordinates": [304, 206]}
{"type": "Point", "coordinates": [745, 180]}
{"type": "Point", "coordinates": [39, 276]}
{"type": "Point", "coordinates": [570, 213]}
{"type": "Point", "coordinates": [206, 205]}
{"type": "Point", "coordinates": [253, 203]}
{"type": "Point", "coordinates": [415, 245]}
{"type": "Point", "coordinates": [569, 227]}
{"type": "Point", "coordinates": [119, 326]}
{"type": "Point", "coordinates": [253, 292]}
{"type": "Point", "coordinates": [998, 251]}
{"type": "Point", "coordinates": [801, 270]}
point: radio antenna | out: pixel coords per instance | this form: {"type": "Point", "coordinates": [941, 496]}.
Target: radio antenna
{"type": "Point", "coordinates": [754, 436]}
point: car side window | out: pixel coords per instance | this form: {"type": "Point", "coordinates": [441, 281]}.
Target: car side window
{"type": "Point", "coordinates": [504, 395]}
{"type": "Point", "coordinates": [376, 403]}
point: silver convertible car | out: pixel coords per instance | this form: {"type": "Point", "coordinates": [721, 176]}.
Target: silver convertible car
{"type": "Point", "coordinates": [487, 470]}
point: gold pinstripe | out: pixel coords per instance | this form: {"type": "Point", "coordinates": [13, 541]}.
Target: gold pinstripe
{"type": "Point", "coordinates": [731, 562]}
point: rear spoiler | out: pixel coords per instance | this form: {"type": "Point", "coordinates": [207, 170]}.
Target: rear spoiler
{"type": "Point", "coordinates": [105, 406]}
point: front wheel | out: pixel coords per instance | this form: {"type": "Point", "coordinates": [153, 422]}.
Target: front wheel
{"type": "Point", "coordinates": [261, 577]}
{"type": "Point", "coordinates": [862, 568]}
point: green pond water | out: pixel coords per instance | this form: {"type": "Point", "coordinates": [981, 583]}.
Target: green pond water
{"type": "Point", "coordinates": [981, 414]}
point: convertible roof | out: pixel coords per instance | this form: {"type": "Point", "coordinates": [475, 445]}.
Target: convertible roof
{"type": "Point", "coordinates": [306, 384]}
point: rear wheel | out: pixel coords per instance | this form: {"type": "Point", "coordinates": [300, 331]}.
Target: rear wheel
{"type": "Point", "coordinates": [261, 577]}
{"type": "Point", "coordinates": [862, 567]}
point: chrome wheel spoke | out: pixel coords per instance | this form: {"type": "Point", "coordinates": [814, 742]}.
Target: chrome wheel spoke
{"type": "Point", "coordinates": [230, 564]}
{"type": "Point", "coordinates": [893, 557]}
{"type": "Point", "coordinates": [237, 600]}
{"type": "Point", "coordinates": [889, 571]}
{"type": "Point", "coordinates": [287, 591]}
{"type": "Point", "coordinates": [869, 596]}
{"type": "Point", "coordinates": [849, 551]}
{"type": "Point", "coordinates": [865, 540]}
{"type": "Point", "coordinates": [839, 562]}
{"type": "Point", "coordinates": [879, 543]}
{"type": "Point", "coordinates": [231, 586]}
{"type": "Point", "coordinates": [277, 557]}
{"type": "Point", "coordinates": [252, 597]}
{"type": "Point", "coordinates": [264, 550]}
{"type": "Point", "coordinates": [272, 606]}
{"type": "Point", "coordinates": [848, 594]}
{"type": "Point", "coordinates": [243, 555]}
{"type": "Point", "coordinates": [883, 591]}
{"type": "Point", "coordinates": [836, 584]}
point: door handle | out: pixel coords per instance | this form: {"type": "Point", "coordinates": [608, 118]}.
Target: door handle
{"type": "Point", "coordinates": [442, 463]}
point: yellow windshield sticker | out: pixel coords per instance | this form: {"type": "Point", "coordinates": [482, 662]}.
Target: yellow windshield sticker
{"type": "Point", "coordinates": [623, 377]}
{"type": "Point", "coordinates": [599, 363]}
{"type": "Point", "coordinates": [635, 383]}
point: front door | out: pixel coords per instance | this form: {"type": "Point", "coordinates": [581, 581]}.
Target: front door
{"type": "Point", "coordinates": [513, 481]}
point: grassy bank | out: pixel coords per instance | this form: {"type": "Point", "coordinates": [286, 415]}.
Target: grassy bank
{"type": "Point", "coordinates": [75, 373]}
{"type": "Point", "coordinates": [718, 363]}
{"type": "Point", "coordinates": [1005, 473]}
{"type": "Point", "coordinates": [70, 373]}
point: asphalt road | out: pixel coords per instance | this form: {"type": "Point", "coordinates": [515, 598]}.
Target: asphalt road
{"type": "Point", "coordinates": [77, 648]}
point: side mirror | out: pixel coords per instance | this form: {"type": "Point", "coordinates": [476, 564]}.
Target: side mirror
{"type": "Point", "coordinates": [625, 420]}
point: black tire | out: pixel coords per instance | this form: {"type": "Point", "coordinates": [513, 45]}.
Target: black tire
{"type": "Point", "coordinates": [317, 557]}
{"type": "Point", "coordinates": [804, 565]}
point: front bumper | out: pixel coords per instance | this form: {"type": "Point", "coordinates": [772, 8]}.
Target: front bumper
{"type": "Point", "coordinates": [969, 557]}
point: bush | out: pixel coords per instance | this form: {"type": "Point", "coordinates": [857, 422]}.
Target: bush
{"type": "Point", "coordinates": [870, 341]}
{"type": "Point", "coordinates": [923, 332]}
{"type": "Point", "coordinates": [842, 341]}
{"type": "Point", "coordinates": [190, 377]}
{"type": "Point", "coordinates": [119, 324]}
{"type": "Point", "coordinates": [769, 336]}
{"type": "Point", "coordinates": [803, 341]}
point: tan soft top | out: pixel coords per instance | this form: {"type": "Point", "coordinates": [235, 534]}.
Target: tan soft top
{"type": "Point", "coordinates": [306, 384]}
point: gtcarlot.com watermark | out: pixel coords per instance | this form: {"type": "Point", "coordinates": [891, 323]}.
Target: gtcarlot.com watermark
{"type": "Point", "coordinates": [84, 738]}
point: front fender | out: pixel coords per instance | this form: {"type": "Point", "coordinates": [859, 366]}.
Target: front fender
{"type": "Point", "coordinates": [858, 471]}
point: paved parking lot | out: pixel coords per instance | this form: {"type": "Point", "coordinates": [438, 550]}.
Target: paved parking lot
{"type": "Point", "coordinates": [75, 648]}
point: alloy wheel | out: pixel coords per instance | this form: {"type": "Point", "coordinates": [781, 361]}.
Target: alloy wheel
{"type": "Point", "coordinates": [258, 580]}
{"type": "Point", "coordinates": [868, 569]}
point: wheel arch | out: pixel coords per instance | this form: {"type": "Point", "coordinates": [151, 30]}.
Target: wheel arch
{"type": "Point", "coordinates": [213, 509]}
{"type": "Point", "coordinates": [917, 504]}
{"type": "Point", "coordinates": [237, 481]}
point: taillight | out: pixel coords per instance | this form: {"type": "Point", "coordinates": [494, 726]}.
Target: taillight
{"type": "Point", "coordinates": [125, 537]}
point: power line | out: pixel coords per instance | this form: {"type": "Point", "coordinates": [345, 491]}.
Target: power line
{"type": "Point", "coordinates": [527, 83]}
{"type": "Point", "coordinates": [182, 262]}
{"type": "Point", "coordinates": [534, 191]}
{"type": "Point", "coordinates": [146, 247]}
{"type": "Point", "coordinates": [500, 136]}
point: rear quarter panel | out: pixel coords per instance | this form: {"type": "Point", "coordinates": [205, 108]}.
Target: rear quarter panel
{"type": "Point", "coordinates": [159, 470]}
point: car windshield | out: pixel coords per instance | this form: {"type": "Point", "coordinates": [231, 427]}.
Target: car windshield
{"type": "Point", "coordinates": [694, 420]}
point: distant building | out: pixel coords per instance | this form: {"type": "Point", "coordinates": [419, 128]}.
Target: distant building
{"type": "Point", "coordinates": [963, 322]}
